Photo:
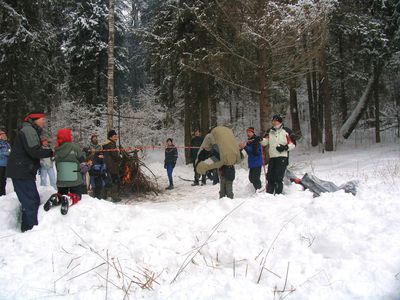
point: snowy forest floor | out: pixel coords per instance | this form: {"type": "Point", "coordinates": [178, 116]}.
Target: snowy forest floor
{"type": "Point", "coordinates": [188, 244]}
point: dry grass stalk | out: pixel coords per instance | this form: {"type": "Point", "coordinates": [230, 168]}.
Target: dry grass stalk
{"type": "Point", "coordinates": [270, 247]}
{"type": "Point", "coordinates": [190, 258]}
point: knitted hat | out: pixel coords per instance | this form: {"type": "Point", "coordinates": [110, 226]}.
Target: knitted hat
{"type": "Point", "coordinates": [34, 116]}
{"type": "Point", "coordinates": [111, 133]}
{"type": "Point", "coordinates": [63, 136]}
{"type": "Point", "coordinates": [277, 118]}
{"type": "Point", "coordinates": [250, 129]}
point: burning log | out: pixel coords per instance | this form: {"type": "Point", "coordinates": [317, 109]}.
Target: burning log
{"type": "Point", "coordinates": [133, 178]}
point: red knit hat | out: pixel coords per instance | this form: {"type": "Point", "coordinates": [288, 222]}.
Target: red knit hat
{"type": "Point", "coordinates": [250, 129]}
{"type": "Point", "coordinates": [63, 136]}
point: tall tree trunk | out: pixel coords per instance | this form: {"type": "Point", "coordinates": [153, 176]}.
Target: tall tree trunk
{"type": "Point", "coordinates": [110, 66]}
{"type": "Point", "coordinates": [203, 100]}
{"type": "Point", "coordinates": [213, 103]}
{"type": "Point", "coordinates": [312, 109]}
{"type": "Point", "coordinates": [320, 102]}
{"type": "Point", "coordinates": [293, 108]}
{"type": "Point", "coordinates": [326, 95]}
{"type": "Point", "coordinates": [263, 84]}
{"type": "Point", "coordinates": [377, 112]}
{"type": "Point", "coordinates": [188, 115]}
{"type": "Point", "coordinates": [343, 101]}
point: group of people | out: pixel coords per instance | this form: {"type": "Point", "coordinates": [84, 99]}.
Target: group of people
{"type": "Point", "coordinates": [220, 151]}
{"type": "Point", "coordinates": [96, 167]}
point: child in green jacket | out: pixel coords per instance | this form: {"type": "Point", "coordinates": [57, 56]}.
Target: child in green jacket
{"type": "Point", "coordinates": [68, 157]}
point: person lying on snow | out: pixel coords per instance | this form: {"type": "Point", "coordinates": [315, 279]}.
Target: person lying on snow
{"type": "Point", "coordinates": [68, 157]}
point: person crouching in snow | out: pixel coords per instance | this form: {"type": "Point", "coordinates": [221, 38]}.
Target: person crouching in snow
{"type": "Point", "coordinates": [280, 144]}
{"type": "Point", "coordinates": [68, 157]}
{"type": "Point", "coordinates": [171, 155]}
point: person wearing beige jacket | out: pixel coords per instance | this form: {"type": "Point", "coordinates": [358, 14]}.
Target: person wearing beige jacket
{"type": "Point", "coordinates": [279, 144]}
{"type": "Point", "coordinates": [221, 151]}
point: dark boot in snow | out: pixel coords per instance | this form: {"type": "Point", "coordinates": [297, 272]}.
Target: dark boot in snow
{"type": "Point", "coordinates": [170, 187]}
{"type": "Point", "coordinates": [53, 201]}
{"type": "Point", "coordinates": [195, 183]}
{"type": "Point", "coordinates": [64, 204]}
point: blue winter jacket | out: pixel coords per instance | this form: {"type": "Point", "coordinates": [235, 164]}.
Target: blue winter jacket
{"type": "Point", "coordinates": [4, 153]}
{"type": "Point", "coordinates": [254, 158]}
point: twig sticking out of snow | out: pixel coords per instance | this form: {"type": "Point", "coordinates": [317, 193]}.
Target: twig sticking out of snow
{"type": "Point", "coordinates": [149, 276]}
{"type": "Point", "coordinates": [190, 257]}
{"type": "Point", "coordinates": [270, 247]}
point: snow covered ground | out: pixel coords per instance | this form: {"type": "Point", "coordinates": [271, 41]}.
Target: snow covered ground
{"type": "Point", "coordinates": [196, 246]}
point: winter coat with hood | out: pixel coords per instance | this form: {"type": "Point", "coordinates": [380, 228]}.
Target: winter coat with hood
{"type": "Point", "coordinates": [68, 158]}
{"type": "Point", "coordinates": [26, 152]}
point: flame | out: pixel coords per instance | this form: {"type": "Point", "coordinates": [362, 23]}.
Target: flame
{"type": "Point", "coordinates": [127, 175]}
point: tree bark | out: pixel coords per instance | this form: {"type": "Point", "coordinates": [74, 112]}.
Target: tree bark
{"type": "Point", "coordinates": [326, 95]}
{"type": "Point", "coordinates": [343, 102]}
{"type": "Point", "coordinates": [362, 105]}
{"type": "Point", "coordinates": [377, 112]}
{"type": "Point", "coordinates": [188, 118]}
{"type": "Point", "coordinates": [294, 112]}
{"type": "Point", "coordinates": [263, 84]}
{"type": "Point", "coordinates": [320, 104]}
{"type": "Point", "coordinates": [203, 100]}
{"type": "Point", "coordinates": [110, 66]}
{"type": "Point", "coordinates": [312, 109]}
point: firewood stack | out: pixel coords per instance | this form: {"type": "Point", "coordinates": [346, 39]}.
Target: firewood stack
{"type": "Point", "coordinates": [133, 179]}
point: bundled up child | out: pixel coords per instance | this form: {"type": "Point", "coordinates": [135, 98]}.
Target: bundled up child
{"type": "Point", "coordinates": [171, 155]}
{"type": "Point", "coordinates": [68, 157]}
{"type": "Point", "coordinates": [98, 172]}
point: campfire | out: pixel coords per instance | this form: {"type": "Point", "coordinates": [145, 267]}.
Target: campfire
{"type": "Point", "coordinates": [133, 179]}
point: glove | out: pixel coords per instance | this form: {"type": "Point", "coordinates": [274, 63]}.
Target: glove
{"type": "Point", "coordinates": [258, 139]}
{"type": "Point", "coordinates": [280, 148]}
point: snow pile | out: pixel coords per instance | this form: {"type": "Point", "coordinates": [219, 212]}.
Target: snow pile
{"type": "Point", "coordinates": [257, 246]}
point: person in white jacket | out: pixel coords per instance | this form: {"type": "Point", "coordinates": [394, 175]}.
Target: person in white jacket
{"type": "Point", "coordinates": [279, 144]}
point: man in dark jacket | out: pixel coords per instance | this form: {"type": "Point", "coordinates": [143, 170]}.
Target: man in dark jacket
{"type": "Point", "coordinates": [255, 159]}
{"type": "Point", "coordinates": [196, 142]}
{"type": "Point", "coordinates": [112, 160]}
{"type": "Point", "coordinates": [23, 165]}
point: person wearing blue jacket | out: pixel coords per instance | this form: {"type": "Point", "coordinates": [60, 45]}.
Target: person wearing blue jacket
{"type": "Point", "coordinates": [5, 149]}
{"type": "Point", "coordinates": [254, 157]}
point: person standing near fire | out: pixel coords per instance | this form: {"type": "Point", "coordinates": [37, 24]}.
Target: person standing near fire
{"type": "Point", "coordinates": [112, 160]}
